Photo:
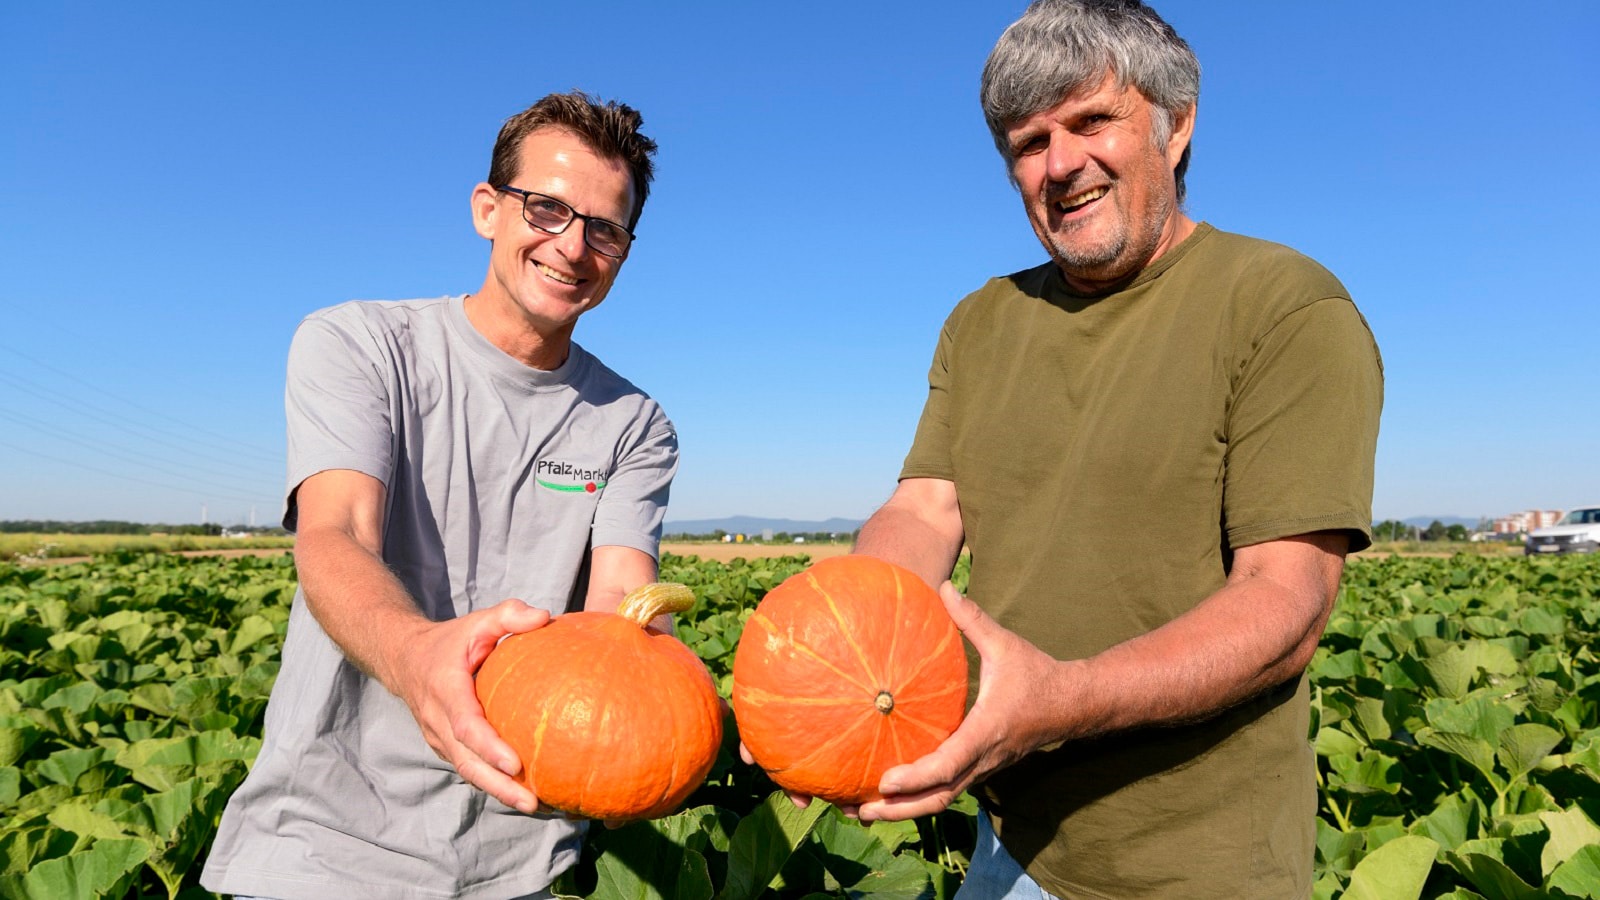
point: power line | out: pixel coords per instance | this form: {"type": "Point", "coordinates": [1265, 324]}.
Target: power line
{"type": "Point", "coordinates": [126, 423]}
{"type": "Point", "coordinates": [124, 402]}
{"type": "Point", "coordinates": [122, 476]}
{"type": "Point", "coordinates": [123, 453]}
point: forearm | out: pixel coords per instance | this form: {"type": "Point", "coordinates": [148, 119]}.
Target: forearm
{"type": "Point", "coordinates": [1247, 638]}
{"type": "Point", "coordinates": [908, 538]}
{"type": "Point", "coordinates": [359, 603]}
{"type": "Point", "coordinates": [613, 572]}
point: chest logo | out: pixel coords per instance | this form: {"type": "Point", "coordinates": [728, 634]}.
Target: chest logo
{"type": "Point", "coordinates": [567, 478]}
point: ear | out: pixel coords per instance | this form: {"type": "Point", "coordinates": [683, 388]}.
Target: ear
{"type": "Point", "coordinates": [1182, 131]}
{"type": "Point", "coordinates": [485, 205]}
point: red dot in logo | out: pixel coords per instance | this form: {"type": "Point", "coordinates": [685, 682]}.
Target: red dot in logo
{"type": "Point", "coordinates": [589, 487]}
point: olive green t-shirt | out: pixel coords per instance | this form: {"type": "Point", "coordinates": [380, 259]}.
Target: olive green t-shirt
{"type": "Point", "coordinates": [1108, 452]}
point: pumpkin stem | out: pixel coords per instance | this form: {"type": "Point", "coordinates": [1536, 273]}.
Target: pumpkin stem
{"type": "Point", "coordinates": [647, 601]}
{"type": "Point", "coordinates": [884, 702]}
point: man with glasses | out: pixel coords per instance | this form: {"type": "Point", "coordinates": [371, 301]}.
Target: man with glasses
{"type": "Point", "coordinates": [1158, 447]}
{"type": "Point", "coordinates": [446, 455]}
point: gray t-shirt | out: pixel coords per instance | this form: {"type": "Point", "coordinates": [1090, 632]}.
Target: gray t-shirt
{"type": "Point", "coordinates": [499, 479]}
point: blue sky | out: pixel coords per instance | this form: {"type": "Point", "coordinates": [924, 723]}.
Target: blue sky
{"type": "Point", "coordinates": [181, 183]}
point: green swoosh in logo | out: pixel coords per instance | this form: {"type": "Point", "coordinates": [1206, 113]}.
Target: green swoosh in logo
{"type": "Point", "coordinates": [572, 488]}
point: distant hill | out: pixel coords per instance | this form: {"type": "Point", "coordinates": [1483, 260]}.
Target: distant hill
{"type": "Point", "coordinates": [756, 525]}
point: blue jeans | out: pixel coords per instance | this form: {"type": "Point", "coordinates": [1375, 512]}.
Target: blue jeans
{"type": "Point", "coordinates": [994, 875]}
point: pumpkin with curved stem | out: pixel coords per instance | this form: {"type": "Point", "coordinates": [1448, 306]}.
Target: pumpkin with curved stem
{"type": "Point", "coordinates": [611, 718]}
{"type": "Point", "coordinates": [843, 671]}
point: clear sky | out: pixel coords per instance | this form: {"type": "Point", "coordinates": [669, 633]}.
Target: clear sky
{"type": "Point", "coordinates": [180, 183]}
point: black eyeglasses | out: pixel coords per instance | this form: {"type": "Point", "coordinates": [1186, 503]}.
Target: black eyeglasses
{"type": "Point", "coordinates": [552, 217]}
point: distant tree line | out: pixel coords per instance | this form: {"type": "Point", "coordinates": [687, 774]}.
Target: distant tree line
{"type": "Point", "coordinates": [108, 526]}
{"type": "Point", "coordinates": [781, 537]}
{"type": "Point", "coordinates": [1392, 530]}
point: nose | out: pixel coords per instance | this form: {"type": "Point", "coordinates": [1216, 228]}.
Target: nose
{"type": "Point", "coordinates": [570, 242]}
{"type": "Point", "coordinates": [1065, 157]}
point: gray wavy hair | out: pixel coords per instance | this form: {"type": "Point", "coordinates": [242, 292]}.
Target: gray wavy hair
{"type": "Point", "coordinates": [1062, 46]}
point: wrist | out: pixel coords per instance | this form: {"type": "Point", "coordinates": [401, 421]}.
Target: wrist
{"type": "Point", "coordinates": [392, 648]}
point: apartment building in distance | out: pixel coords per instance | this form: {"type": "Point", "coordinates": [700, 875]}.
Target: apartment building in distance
{"type": "Point", "coordinates": [1524, 522]}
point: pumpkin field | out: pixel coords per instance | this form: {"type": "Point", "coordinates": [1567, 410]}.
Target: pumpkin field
{"type": "Point", "coordinates": [1454, 719]}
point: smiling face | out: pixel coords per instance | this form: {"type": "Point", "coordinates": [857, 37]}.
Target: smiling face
{"type": "Point", "coordinates": [539, 283]}
{"type": "Point", "coordinates": [1098, 188]}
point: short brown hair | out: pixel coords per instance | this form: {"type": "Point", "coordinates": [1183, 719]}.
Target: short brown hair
{"type": "Point", "coordinates": [611, 129]}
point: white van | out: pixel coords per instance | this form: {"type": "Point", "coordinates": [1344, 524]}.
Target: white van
{"type": "Point", "coordinates": [1577, 532]}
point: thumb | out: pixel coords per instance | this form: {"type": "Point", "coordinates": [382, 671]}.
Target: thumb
{"type": "Point", "coordinates": [490, 625]}
{"type": "Point", "coordinates": [946, 765]}
{"type": "Point", "coordinates": [516, 616]}
{"type": "Point", "coordinates": [975, 624]}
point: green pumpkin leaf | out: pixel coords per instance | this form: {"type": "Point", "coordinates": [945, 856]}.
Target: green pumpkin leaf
{"type": "Point", "coordinates": [1494, 658]}
{"type": "Point", "coordinates": [1480, 863]}
{"type": "Point", "coordinates": [848, 849]}
{"type": "Point", "coordinates": [1451, 822]}
{"type": "Point", "coordinates": [105, 869]}
{"type": "Point", "coordinates": [1371, 772]}
{"type": "Point", "coordinates": [1336, 848]}
{"type": "Point", "coordinates": [639, 863]}
{"type": "Point", "coordinates": [1585, 759]}
{"type": "Point", "coordinates": [69, 767]}
{"type": "Point", "coordinates": [1369, 714]}
{"type": "Point", "coordinates": [1476, 752]}
{"type": "Point", "coordinates": [1570, 831]}
{"type": "Point", "coordinates": [1537, 620]}
{"type": "Point", "coordinates": [17, 734]}
{"type": "Point", "coordinates": [250, 632]}
{"type": "Point", "coordinates": [1485, 626]}
{"type": "Point", "coordinates": [21, 848]}
{"type": "Point", "coordinates": [698, 828]}
{"type": "Point", "coordinates": [965, 803]}
{"type": "Point", "coordinates": [1395, 871]}
{"type": "Point", "coordinates": [1333, 742]}
{"type": "Point", "coordinates": [764, 841]}
{"type": "Point", "coordinates": [1523, 747]}
{"type": "Point", "coordinates": [1338, 666]}
{"type": "Point", "coordinates": [904, 878]}
{"type": "Point", "coordinates": [85, 822]}
{"type": "Point", "coordinates": [1450, 673]}
{"type": "Point", "coordinates": [894, 834]}
{"type": "Point", "coordinates": [1580, 874]}
{"type": "Point", "coordinates": [77, 698]}
{"type": "Point", "coordinates": [1478, 716]}
{"type": "Point", "coordinates": [10, 786]}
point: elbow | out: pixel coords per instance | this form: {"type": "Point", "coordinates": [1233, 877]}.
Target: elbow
{"type": "Point", "coordinates": [1305, 649]}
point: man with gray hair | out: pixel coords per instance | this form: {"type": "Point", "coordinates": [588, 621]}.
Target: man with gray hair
{"type": "Point", "coordinates": [1158, 448]}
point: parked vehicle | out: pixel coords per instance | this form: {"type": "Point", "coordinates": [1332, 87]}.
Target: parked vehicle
{"type": "Point", "coordinates": [1577, 532]}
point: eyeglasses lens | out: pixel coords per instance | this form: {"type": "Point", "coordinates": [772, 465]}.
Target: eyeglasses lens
{"type": "Point", "coordinates": [549, 214]}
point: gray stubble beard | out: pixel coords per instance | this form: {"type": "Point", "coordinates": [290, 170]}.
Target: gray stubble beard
{"type": "Point", "coordinates": [1088, 263]}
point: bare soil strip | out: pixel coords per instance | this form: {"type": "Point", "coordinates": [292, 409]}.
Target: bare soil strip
{"type": "Point", "coordinates": [716, 550]}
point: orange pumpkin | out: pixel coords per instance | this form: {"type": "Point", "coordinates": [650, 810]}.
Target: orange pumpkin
{"type": "Point", "coordinates": [612, 719]}
{"type": "Point", "coordinates": [843, 671]}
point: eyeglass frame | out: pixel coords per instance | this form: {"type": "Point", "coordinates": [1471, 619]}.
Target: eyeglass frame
{"type": "Point", "coordinates": [572, 216]}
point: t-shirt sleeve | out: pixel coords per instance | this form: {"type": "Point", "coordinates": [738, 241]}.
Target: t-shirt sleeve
{"type": "Point", "coordinates": [336, 405]}
{"type": "Point", "coordinates": [634, 502]}
{"type": "Point", "coordinates": [1303, 429]}
{"type": "Point", "coordinates": [930, 448]}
